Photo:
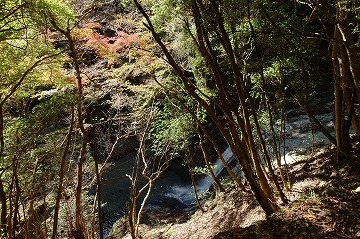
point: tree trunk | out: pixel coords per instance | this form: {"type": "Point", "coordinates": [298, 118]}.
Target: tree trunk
{"type": "Point", "coordinates": [15, 219]}
{"type": "Point", "coordinates": [208, 165]}
{"type": "Point", "coordinates": [341, 143]}
{"type": "Point", "coordinates": [62, 174]}
{"type": "Point", "coordinates": [3, 205]}
{"type": "Point", "coordinates": [79, 217]}
{"type": "Point", "coordinates": [240, 148]}
{"type": "Point", "coordinates": [98, 189]}
{"type": "Point", "coordinates": [192, 176]}
{"type": "Point", "coordinates": [352, 53]}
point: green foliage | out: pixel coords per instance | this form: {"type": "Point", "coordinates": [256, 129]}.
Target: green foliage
{"type": "Point", "coordinates": [309, 196]}
{"type": "Point", "coordinates": [22, 45]}
{"type": "Point", "coordinates": [171, 130]}
{"type": "Point", "coordinates": [228, 182]}
{"type": "Point", "coordinates": [41, 125]}
{"type": "Point", "coordinates": [60, 11]}
{"type": "Point", "coordinates": [203, 170]}
{"type": "Point", "coordinates": [34, 120]}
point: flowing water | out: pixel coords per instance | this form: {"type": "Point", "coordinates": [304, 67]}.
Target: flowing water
{"type": "Point", "coordinates": [185, 193]}
{"type": "Point", "coordinates": [174, 191]}
{"type": "Point", "coordinates": [171, 191]}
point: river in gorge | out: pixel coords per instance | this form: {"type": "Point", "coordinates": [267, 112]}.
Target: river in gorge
{"type": "Point", "coordinates": [173, 189]}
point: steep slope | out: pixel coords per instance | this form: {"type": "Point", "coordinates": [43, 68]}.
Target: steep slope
{"type": "Point", "coordinates": [325, 203]}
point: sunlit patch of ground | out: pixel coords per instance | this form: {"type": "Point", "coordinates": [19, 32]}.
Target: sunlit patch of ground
{"type": "Point", "coordinates": [324, 203]}
{"type": "Point", "coordinates": [226, 210]}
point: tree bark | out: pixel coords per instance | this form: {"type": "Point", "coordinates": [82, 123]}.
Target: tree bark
{"type": "Point", "coordinates": [192, 176]}
{"type": "Point", "coordinates": [79, 217]}
{"type": "Point", "coordinates": [341, 144]}
{"type": "Point", "coordinates": [231, 135]}
{"type": "Point", "coordinates": [3, 205]}
{"type": "Point", "coordinates": [208, 165]}
{"type": "Point", "coordinates": [62, 174]}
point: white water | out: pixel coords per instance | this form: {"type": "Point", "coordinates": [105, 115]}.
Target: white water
{"type": "Point", "coordinates": [185, 193]}
{"type": "Point", "coordinates": [301, 135]}
{"type": "Point", "coordinates": [173, 189]}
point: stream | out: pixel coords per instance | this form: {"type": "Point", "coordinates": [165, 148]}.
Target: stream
{"type": "Point", "coordinates": [174, 191]}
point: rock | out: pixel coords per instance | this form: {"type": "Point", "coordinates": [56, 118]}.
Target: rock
{"type": "Point", "coordinates": [106, 30]}
{"type": "Point", "coordinates": [357, 190]}
{"type": "Point", "coordinates": [119, 229]}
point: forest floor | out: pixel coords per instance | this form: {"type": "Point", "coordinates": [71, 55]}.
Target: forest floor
{"type": "Point", "coordinates": [324, 203]}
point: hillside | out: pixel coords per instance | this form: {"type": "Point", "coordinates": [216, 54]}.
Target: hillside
{"type": "Point", "coordinates": [324, 203]}
{"type": "Point", "coordinates": [126, 111]}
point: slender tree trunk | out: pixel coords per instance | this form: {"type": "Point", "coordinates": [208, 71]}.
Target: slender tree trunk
{"type": "Point", "coordinates": [344, 72]}
{"type": "Point", "coordinates": [98, 189]}
{"type": "Point", "coordinates": [265, 151]}
{"type": "Point", "coordinates": [283, 139]}
{"type": "Point", "coordinates": [226, 165]}
{"type": "Point", "coordinates": [352, 53]}
{"type": "Point", "coordinates": [31, 221]}
{"type": "Point", "coordinates": [208, 165]}
{"type": "Point", "coordinates": [15, 219]}
{"type": "Point", "coordinates": [79, 217]}
{"type": "Point", "coordinates": [2, 144]}
{"type": "Point", "coordinates": [3, 205]}
{"type": "Point", "coordinates": [62, 174]}
{"type": "Point", "coordinates": [339, 112]}
{"type": "Point", "coordinates": [192, 176]}
{"type": "Point", "coordinates": [3, 199]}
{"type": "Point", "coordinates": [11, 210]}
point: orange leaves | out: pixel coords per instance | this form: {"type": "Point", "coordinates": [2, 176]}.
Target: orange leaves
{"type": "Point", "coordinates": [91, 25]}
{"type": "Point", "coordinates": [112, 44]}
{"type": "Point", "coordinates": [124, 40]}
{"type": "Point", "coordinates": [109, 47]}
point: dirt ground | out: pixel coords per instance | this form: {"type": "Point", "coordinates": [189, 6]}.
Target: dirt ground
{"type": "Point", "coordinates": [324, 203]}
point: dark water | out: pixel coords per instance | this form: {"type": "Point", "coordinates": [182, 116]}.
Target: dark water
{"type": "Point", "coordinates": [174, 191]}
{"type": "Point", "coordinates": [115, 191]}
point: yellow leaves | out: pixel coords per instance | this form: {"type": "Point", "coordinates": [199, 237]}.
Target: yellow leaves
{"type": "Point", "coordinates": [91, 25]}
{"type": "Point", "coordinates": [81, 33]}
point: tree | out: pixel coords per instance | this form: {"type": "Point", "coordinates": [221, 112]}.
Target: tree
{"type": "Point", "coordinates": [148, 169]}
{"type": "Point", "coordinates": [230, 112]}
{"type": "Point", "coordinates": [26, 54]}
{"type": "Point", "coordinates": [342, 15]}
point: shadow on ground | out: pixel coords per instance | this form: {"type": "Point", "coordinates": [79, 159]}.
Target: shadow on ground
{"type": "Point", "coordinates": [325, 202]}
